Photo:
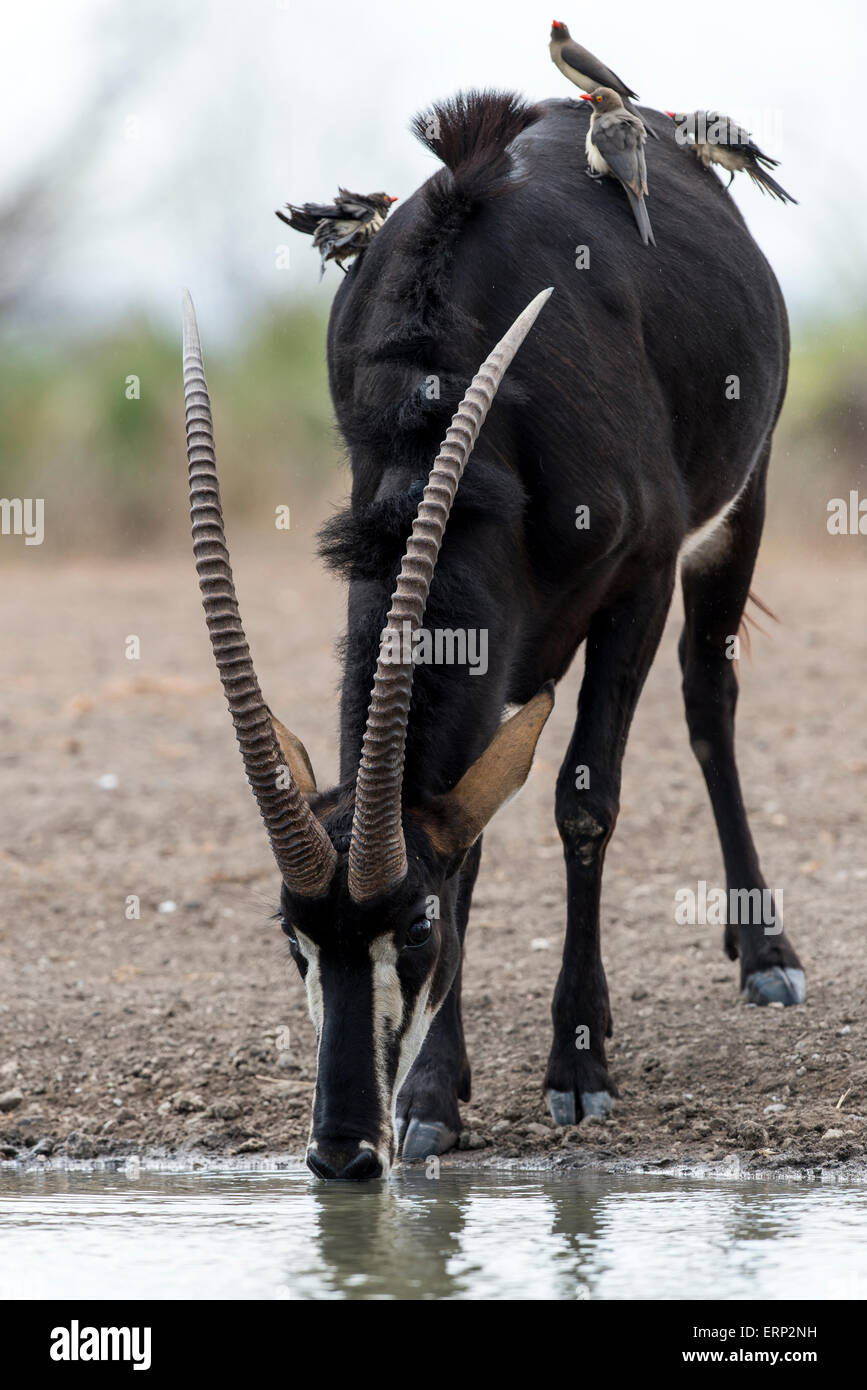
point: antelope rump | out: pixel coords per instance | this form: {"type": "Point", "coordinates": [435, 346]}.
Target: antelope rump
{"type": "Point", "coordinates": [617, 403]}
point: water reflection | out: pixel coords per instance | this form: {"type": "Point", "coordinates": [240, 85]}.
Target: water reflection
{"type": "Point", "coordinates": [461, 1236]}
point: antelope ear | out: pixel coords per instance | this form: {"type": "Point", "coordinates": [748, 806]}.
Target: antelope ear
{"type": "Point", "coordinates": [455, 820]}
{"type": "Point", "coordinates": [295, 753]}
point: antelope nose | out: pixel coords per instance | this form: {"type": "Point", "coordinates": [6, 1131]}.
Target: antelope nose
{"type": "Point", "coordinates": [352, 1164]}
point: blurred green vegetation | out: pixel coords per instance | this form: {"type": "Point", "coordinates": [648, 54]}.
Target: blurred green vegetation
{"type": "Point", "coordinates": [113, 467]}
{"type": "Point", "coordinates": [828, 384]}
{"type": "Point", "coordinates": [819, 444]}
{"type": "Point", "coordinates": [72, 432]}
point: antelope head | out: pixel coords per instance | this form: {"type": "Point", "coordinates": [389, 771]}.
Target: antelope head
{"type": "Point", "coordinates": [359, 875]}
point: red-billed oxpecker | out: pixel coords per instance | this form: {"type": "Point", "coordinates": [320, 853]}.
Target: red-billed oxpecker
{"type": "Point", "coordinates": [342, 229]}
{"type": "Point", "coordinates": [718, 139]}
{"type": "Point", "coordinates": [615, 145]}
{"type": "Point", "coordinates": [586, 71]}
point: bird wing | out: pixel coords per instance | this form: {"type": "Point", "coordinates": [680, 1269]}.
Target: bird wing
{"type": "Point", "coordinates": [307, 217]}
{"type": "Point", "coordinates": [620, 140]}
{"type": "Point", "coordinates": [354, 235]}
{"type": "Point", "coordinates": [304, 219]}
{"type": "Point", "coordinates": [750, 148]}
{"type": "Point", "coordinates": [354, 205]}
{"type": "Point", "coordinates": [320, 210]}
{"type": "Point", "coordinates": [582, 60]}
{"type": "Point", "coordinates": [737, 138]}
{"type": "Point", "coordinates": [335, 231]}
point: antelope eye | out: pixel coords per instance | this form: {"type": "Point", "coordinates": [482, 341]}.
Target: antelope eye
{"type": "Point", "coordinates": [418, 933]}
{"type": "Point", "coordinates": [288, 932]}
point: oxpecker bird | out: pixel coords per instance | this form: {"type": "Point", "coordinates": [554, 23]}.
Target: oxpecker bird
{"type": "Point", "coordinates": [580, 66]}
{"type": "Point", "coordinates": [718, 139]}
{"type": "Point", "coordinates": [342, 229]}
{"type": "Point", "coordinates": [615, 145]}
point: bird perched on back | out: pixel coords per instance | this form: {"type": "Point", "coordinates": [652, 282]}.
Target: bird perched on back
{"type": "Point", "coordinates": [615, 145]}
{"type": "Point", "coordinates": [341, 229]}
{"type": "Point", "coordinates": [586, 71]}
{"type": "Point", "coordinates": [720, 140]}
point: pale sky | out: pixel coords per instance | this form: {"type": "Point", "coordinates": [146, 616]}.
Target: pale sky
{"type": "Point", "coordinates": [226, 110]}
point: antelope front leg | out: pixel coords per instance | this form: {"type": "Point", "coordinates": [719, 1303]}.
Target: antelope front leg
{"type": "Point", "coordinates": [428, 1120]}
{"type": "Point", "coordinates": [620, 647]}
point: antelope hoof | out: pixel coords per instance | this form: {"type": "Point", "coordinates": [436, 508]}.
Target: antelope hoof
{"type": "Point", "coordinates": [562, 1107]}
{"type": "Point", "coordinates": [781, 984]}
{"type": "Point", "coordinates": [596, 1103]}
{"type": "Point", "coordinates": [426, 1137]}
{"type": "Point", "coordinates": [564, 1111]}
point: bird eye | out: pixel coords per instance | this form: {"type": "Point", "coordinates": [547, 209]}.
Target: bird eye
{"type": "Point", "coordinates": [598, 98]}
{"type": "Point", "coordinates": [418, 934]}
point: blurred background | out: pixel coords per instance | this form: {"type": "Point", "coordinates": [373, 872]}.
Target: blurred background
{"type": "Point", "coordinates": [146, 147]}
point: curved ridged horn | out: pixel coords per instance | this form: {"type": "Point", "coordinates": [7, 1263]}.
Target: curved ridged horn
{"type": "Point", "coordinates": [304, 853]}
{"type": "Point", "coordinates": [377, 852]}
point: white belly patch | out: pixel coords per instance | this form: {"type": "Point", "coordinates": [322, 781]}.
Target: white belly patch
{"type": "Point", "coordinates": [729, 159]}
{"type": "Point", "coordinates": [708, 542]}
{"type": "Point", "coordinates": [595, 160]}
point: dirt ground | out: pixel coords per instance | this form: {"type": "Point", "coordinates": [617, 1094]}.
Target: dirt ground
{"type": "Point", "coordinates": [120, 778]}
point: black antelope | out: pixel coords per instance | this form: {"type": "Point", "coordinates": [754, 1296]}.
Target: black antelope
{"type": "Point", "coordinates": [617, 403]}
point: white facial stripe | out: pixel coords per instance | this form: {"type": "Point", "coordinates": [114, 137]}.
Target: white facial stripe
{"type": "Point", "coordinates": [387, 1015]}
{"type": "Point", "coordinates": [315, 1006]}
{"type": "Point", "coordinates": [312, 981]}
{"type": "Point", "coordinates": [387, 996]}
{"type": "Point", "coordinates": [410, 1043]}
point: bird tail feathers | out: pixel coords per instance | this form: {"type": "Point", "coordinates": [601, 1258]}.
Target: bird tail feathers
{"type": "Point", "coordinates": [635, 112]}
{"type": "Point", "coordinates": [641, 217]}
{"type": "Point", "coordinates": [299, 220]}
{"type": "Point", "coordinates": [770, 185]}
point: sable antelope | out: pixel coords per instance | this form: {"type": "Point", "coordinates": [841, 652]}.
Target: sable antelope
{"type": "Point", "coordinates": [616, 402]}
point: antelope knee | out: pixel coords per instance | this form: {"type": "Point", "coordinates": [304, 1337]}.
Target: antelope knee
{"type": "Point", "coordinates": [585, 833]}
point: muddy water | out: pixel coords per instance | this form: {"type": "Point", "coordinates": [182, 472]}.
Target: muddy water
{"type": "Point", "coordinates": [280, 1235]}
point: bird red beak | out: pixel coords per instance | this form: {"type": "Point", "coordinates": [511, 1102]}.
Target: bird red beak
{"type": "Point", "coordinates": [555, 24]}
{"type": "Point", "coordinates": [394, 199]}
{"type": "Point", "coordinates": [670, 113]}
{"type": "Point", "coordinates": [585, 96]}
